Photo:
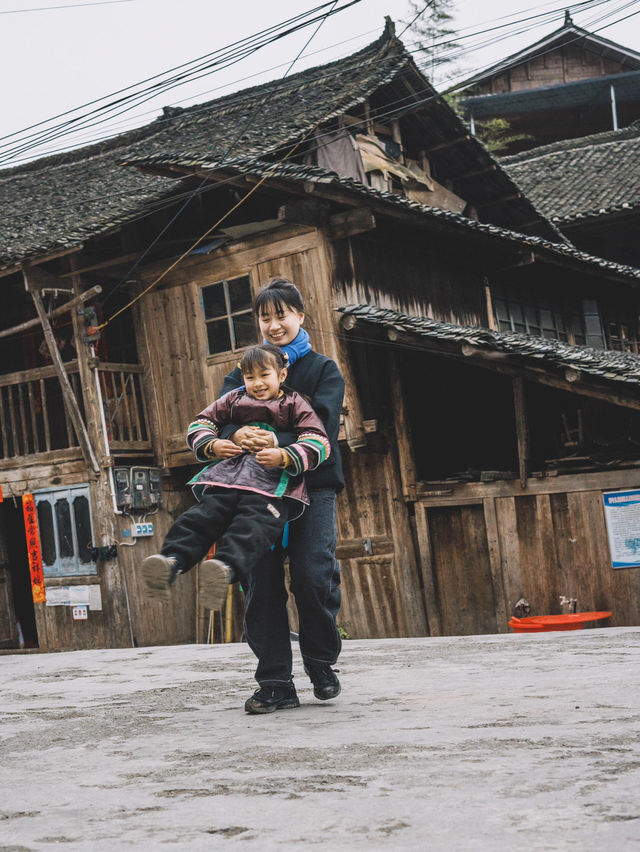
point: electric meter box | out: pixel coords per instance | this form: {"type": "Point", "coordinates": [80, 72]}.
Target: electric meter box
{"type": "Point", "coordinates": [122, 482]}
{"type": "Point", "coordinates": [146, 490]}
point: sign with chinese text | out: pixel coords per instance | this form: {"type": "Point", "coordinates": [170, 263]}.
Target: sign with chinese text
{"type": "Point", "coordinates": [33, 548]}
{"type": "Point", "coordinates": [622, 514]}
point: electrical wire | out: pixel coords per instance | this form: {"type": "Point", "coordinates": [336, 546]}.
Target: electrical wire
{"type": "Point", "coordinates": [223, 58]}
{"type": "Point", "coordinates": [191, 197]}
{"type": "Point", "coordinates": [68, 6]}
{"type": "Point", "coordinates": [29, 143]}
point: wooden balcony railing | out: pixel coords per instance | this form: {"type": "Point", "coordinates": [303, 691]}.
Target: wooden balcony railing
{"type": "Point", "coordinates": [34, 420]}
{"type": "Point", "coordinates": [125, 409]}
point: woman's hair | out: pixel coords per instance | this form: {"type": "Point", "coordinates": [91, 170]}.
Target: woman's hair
{"type": "Point", "coordinates": [279, 293]}
{"type": "Point", "coordinates": [265, 355]}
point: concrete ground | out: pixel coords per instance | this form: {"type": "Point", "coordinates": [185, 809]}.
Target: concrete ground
{"type": "Point", "coordinates": [466, 743]}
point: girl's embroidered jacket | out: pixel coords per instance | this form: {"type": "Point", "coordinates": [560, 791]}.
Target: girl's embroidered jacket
{"type": "Point", "coordinates": [289, 413]}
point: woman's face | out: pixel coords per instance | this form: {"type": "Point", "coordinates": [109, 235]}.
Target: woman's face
{"type": "Point", "coordinates": [280, 325]}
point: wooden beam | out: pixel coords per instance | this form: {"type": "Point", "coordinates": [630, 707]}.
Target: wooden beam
{"type": "Point", "coordinates": [304, 213]}
{"type": "Point", "coordinates": [351, 222]}
{"type": "Point", "coordinates": [501, 200]}
{"type": "Point", "coordinates": [402, 424]}
{"type": "Point", "coordinates": [448, 143]}
{"type": "Point", "coordinates": [45, 258]}
{"type": "Point", "coordinates": [427, 568]}
{"type": "Point", "coordinates": [522, 428]}
{"type": "Point", "coordinates": [33, 284]}
{"type": "Point", "coordinates": [501, 362]}
{"type": "Point", "coordinates": [474, 173]}
{"type": "Point", "coordinates": [77, 300]}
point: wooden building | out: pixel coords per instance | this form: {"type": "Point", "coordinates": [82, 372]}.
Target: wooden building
{"type": "Point", "coordinates": [570, 83]}
{"type": "Point", "coordinates": [474, 477]}
{"type": "Point", "coordinates": [590, 189]}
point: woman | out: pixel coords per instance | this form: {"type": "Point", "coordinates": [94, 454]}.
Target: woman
{"type": "Point", "coordinates": [314, 570]}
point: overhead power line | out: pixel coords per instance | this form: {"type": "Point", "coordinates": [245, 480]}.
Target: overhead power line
{"type": "Point", "coordinates": [15, 151]}
{"type": "Point", "coordinates": [66, 6]}
{"type": "Point", "coordinates": [186, 72]}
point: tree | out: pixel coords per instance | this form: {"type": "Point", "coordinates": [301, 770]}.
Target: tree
{"type": "Point", "coordinates": [435, 35]}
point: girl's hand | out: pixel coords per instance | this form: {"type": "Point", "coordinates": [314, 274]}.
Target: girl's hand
{"type": "Point", "coordinates": [225, 449]}
{"type": "Point", "coordinates": [269, 458]}
{"type": "Point", "coordinates": [253, 439]}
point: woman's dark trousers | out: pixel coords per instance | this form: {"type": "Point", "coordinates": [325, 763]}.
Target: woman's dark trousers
{"type": "Point", "coordinates": [315, 583]}
{"type": "Point", "coordinates": [248, 523]}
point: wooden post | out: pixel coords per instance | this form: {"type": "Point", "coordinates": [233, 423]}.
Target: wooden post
{"type": "Point", "coordinates": [425, 559]}
{"type": "Point", "coordinates": [522, 430]}
{"type": "Point", "coordinates": [112, 572]}
{"type": "Point", "coordinates": [403, 431]}
{"type": "Point", "coordinates": [32, 280]}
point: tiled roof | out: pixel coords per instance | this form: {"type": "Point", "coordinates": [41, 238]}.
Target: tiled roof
{"type": "Point", "coordinates": [296, 172]}
{"type": "Point", "coordinates": [57, 202]}
{"type": "Point", "coordinates": [567, 34]}
{"type": "Point", "coordinates": [610, 366]}
{"type": "Point", "coordinates": [582, 178]}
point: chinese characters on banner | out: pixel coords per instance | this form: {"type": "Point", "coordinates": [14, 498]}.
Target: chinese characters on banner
{"type": "Point", "coordinates": [33, 548]}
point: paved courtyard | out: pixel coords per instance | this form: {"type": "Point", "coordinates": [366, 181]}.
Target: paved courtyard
{"type": "Point", "coordinates": [466, 743]}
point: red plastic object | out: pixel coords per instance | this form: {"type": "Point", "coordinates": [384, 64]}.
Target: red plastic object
{"type": "Point", "coordinates": [545, 623]}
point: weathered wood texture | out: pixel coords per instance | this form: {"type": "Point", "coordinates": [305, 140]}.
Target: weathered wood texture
{"type": "Point", "coordinates": [481, 559]}
{"type": "Point", "coordinates": [430, 277]}
{"type": "Point", "coordinates": [461, 571]}
{"type": "Point", "coordinates": [380, 591]}
{"type": "Point", "coordinates": [562, 65]}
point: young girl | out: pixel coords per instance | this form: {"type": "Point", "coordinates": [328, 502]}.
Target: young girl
{"type": "Point", "coordinates": [247, 497]}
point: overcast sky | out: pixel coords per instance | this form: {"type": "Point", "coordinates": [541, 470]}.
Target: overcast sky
{"type": "Point", "coordinates": [59, 58]}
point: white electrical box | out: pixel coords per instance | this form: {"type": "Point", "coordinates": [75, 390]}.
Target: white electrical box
{"type": "Point", "coordinates": [140, 530]}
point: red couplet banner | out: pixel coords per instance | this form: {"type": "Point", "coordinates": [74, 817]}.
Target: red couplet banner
{"type": "Point", "coordinates": [33, 548]}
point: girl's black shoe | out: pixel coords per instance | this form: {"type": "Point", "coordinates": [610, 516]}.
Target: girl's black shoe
{"type": "Point", "coordinates": [270, 698]}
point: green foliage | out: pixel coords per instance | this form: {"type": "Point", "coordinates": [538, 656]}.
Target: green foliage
{"type": "Point", "coordinates": [344, 634]}
{"type": "Point", "coordinates": [497, 135]}
{"type": "Point", "coordinates": [434, 34]}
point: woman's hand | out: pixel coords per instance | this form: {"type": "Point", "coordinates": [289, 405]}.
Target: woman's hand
{"type": "Point", "coordinates": [253, 439]}
{"type": "Point", "coordinates": [224, 449]}
{"type": "Point", "coordinates": [269, 457]}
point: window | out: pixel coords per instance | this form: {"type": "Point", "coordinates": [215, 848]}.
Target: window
{"type": "Point", "coordinates": [228, 315]}
{"type": "Point", "coordinates": [622, 336]}
{"type": "Point", "coordinates": [64, 523]}
{"type": "Point", "coordinates": [539, 315]}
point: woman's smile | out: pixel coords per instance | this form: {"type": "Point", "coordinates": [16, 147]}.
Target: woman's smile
{"type": "Point", "coordinates": [280, 327]}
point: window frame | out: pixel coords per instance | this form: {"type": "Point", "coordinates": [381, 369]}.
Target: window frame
{"type": "Point", "coordinates": [229, 315]}
{"type": "Point", "coordinates": [69, 566]}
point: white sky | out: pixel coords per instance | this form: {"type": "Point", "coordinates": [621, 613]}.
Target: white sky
{"type": "Point", "coordinates": [57, 59]}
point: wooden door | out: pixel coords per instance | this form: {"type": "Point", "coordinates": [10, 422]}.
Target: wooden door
{"type": "Point", "coordinates": [459, 586]}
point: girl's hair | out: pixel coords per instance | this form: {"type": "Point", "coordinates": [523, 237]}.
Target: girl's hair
{"type": "Point", "coordinates": [279, 293]}
{"type": "Point", "coordinates": [266, 355]}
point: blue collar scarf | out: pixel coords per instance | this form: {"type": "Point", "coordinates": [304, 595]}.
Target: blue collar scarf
{"type": "Point", "coordinates": [298, 347]}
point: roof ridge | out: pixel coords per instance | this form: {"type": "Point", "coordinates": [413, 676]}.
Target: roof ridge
{"type": "Point", "coordinates": [606, 137]}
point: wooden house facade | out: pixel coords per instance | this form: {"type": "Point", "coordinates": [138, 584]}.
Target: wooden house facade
{"type": "Point", "coordinates": [570, 83]}
{"type": "Point", "coordinates": [478, 369]}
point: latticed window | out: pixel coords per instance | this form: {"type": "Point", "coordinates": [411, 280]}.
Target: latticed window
{"type": "Point", "coordinates": [64, 524]}
{"type": "Point", "coordinates": [622, 336]}
{"type": "Point", "coordinates": [228, 315]}
{"type": "Point", "coordinates": [541, 315]}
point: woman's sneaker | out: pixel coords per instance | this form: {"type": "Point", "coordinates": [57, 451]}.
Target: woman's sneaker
{"type": "Point", "coordinates": [324, 679]}
{"type": "Point", "coordinates": [270, 698]}
{"type": "Point", "coordinates": [159, 573]}
{"type": "Point", "coordinates": [214, 577]}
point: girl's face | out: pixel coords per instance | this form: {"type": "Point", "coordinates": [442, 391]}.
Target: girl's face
{"type": "Point", "coordinates": [280, 326]}
{"type": "Point", "coordinates": [263, 381]}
